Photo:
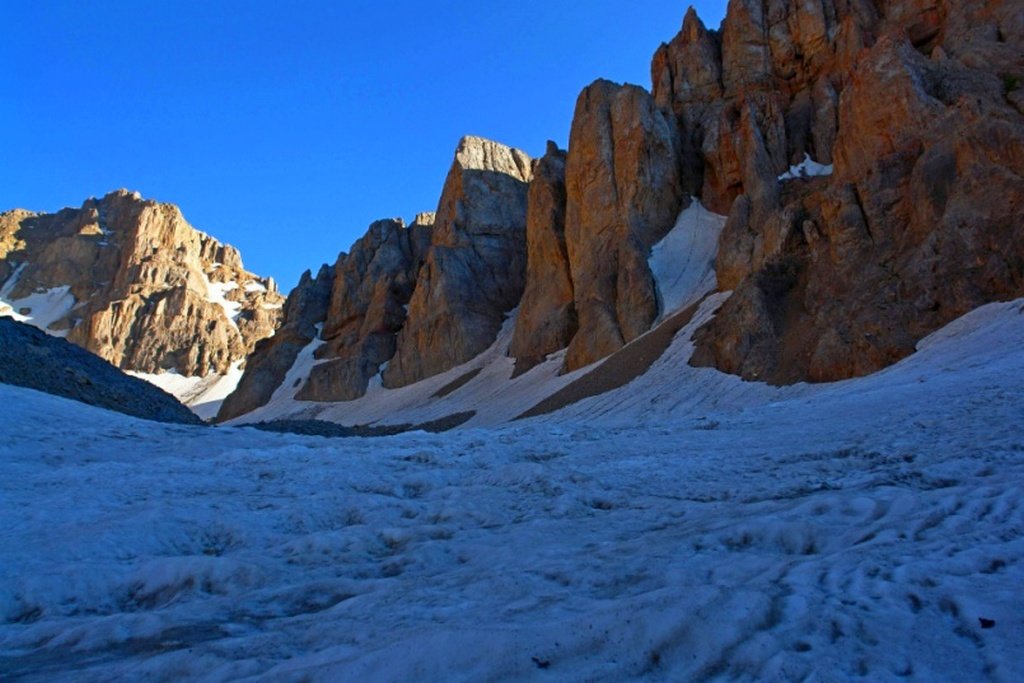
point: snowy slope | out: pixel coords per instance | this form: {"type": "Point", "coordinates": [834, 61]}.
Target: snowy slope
{"type": "Point", "coordinates": [202, 395]}
{"type": "Point", "coordinates": [683, 263]}
{"type": "Point", "coordinates": [859, 530]}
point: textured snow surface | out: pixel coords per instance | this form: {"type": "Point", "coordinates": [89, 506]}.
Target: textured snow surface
{"type": "Point", "coordinates": [856, 531]}
{"type": "Point", "coordinates": [683, 263]}
{"type": "Point", "coordinates": [808, 168]}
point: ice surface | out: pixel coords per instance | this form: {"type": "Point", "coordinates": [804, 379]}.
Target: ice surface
{"type": "Point", "coordinates": [683, 263]}
{"type": "Point", "coordinates": [808, 168]}
{"type": "Point", "coordinates": [857, 530]}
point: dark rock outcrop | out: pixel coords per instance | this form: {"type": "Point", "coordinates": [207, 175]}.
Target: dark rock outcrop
{"type": "Point", "coordinates": [547, 313]}
{"type": "Point", "coordinates": [304, 311]}
{"type": "Point", "coordinates": [31, 358]}
{"type": "Point", "coordinates": [475, 269]}
{"type": "Point", "coordinates": [372, 287]}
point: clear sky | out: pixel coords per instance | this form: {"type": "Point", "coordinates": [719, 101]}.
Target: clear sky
{"type": "Point", "coordinates": [286, 128]}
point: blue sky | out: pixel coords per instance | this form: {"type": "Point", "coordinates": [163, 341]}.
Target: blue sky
{"type": "Point", "coordinates": [286, 128]}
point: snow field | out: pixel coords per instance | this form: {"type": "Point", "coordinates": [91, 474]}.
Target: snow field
{"type": "Point", "coordinates": [859, 530]}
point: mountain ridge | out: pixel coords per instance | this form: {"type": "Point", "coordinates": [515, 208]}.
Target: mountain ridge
{"type": "Point", "coordinates": [131, 281]}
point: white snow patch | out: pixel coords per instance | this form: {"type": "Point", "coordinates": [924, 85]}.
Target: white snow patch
{"type": "Point", "coordinates": [46, 306]}
{"type": "Point", "coordinates": [216, 292]}
{"type": "Point", "coordinates": [683, 262]}
{"type": "Point", "coordinates": [203, 395]}
{"type": "Point", "coordinates": [254, 286]}
{"type": "Point", "coordinates": [808, 168]}
{"type": "Point", "coordinates": [12, 281]}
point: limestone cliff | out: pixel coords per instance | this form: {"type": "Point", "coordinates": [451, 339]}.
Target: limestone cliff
{"type": "Point", "coordinates": [869, 156]}
{"type": "Point", "coordinates": [476, 265]}
{"type": "Point", "coordinates": [130, 280]}
{"type": "Point", "coordinates": [912, 214]}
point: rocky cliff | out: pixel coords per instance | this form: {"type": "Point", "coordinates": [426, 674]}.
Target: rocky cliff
{"type": "Point", "coordinates": [407, 302]}
{"type": "Point", "coordinates": [869, 158]}
{"type": "Point", "coordinates": [130, 280]}
{"type": "Point", "coordinates": [475, 268]}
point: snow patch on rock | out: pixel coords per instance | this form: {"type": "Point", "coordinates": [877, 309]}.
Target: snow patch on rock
{"type": "Point", "coordinates": [683, 262]}
{"type": "Point", "coordinates": [42, 308]}
{"type": "Point", "coordinates": [808, 168]}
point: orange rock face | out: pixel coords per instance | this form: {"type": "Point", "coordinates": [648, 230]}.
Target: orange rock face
{"type": "Point", "coordinates": [921, 220]}
{"type": "Point", "coordinates": [547, 313]}
{"type": "Point", "coordinates": [623, 193]}
{"type": "Point", "coordinates": [146, 291]}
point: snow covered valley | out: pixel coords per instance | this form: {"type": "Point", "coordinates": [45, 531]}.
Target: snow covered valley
{"type": "Point", "coordinates": [872, 529]}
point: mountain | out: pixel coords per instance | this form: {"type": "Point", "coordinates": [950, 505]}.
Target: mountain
{"type": "Point", "coordinates": [131, 281]}
{"type": "Point", "coordinates": [804, 195]}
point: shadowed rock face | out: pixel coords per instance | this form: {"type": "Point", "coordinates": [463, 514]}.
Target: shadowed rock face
{"type": "Point", "coordinates": [623, 193]}
{"type": "Point", "coordinates": [916, 105]}
{"type": "Point", "coordinates": [372, 287]}
{"type": "Point", "coordinates": [547, 313]}
{"type": "Point", "coordinates": [33, 359]}
{"type": "Point", "coordinates": [265, 370]}
{"type": "Point", "coordinates": [146, 291]}
{"type": "Point", "coordinates": [475, 268]}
